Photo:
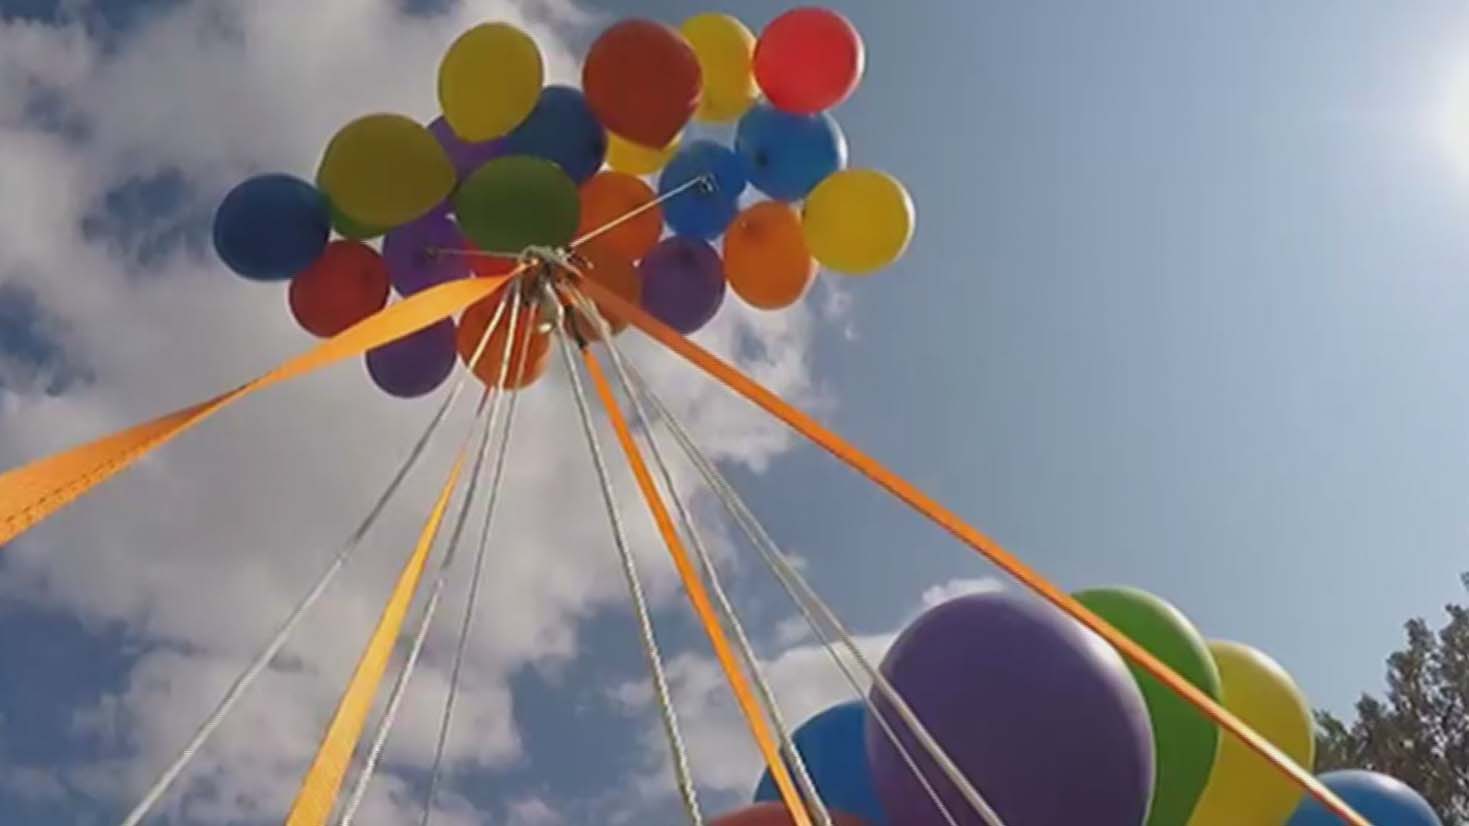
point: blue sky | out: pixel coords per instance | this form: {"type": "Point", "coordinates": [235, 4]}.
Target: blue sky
{"type": "Point", "coordinates": [1184, 310]}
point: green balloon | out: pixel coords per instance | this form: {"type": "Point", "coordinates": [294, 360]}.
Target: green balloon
{"type": "Point", "coordinates": [515, 201]}
{"type": "Point", "coordinates": [348, 228]}
{"type": "Point", "coordinates": [1184, 741]}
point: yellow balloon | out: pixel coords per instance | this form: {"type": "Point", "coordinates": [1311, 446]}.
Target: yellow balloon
{"type": "Point", "coordinates": [726, 51]}
{"type": "Point", "coordinates": [1243, 788]}
{"type": "Point", "coordinates": [385, 170]}
{"type": "Point", "coordinates": [489, 81]}
{"type": "Point", "coordinates": [635, 159]}
{"type": "Point", "coordinates": [858, 220]}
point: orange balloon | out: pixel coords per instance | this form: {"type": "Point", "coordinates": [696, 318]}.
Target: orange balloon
{"type": "Point", "coordinates": [348, 283]}
{"type": "Point", "coordinates": [765, 256]}
{"type": "Point", "coordinates": [642, 81]}
{"type": "Point", "coordinates": [607, 196]}
{"type": "Point", "coordinates": [617, 273]}
{"type": "Point", "coordinates": [537, 348]}
{"type": "Point", "coordinates": [775, 814]}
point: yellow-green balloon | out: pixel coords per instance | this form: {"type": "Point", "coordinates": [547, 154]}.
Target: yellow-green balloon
{"type": "Point", "coordinates": [489, 81]}
{"type": "Point", "coordinates": [1243, 788]}
{"type": "Point", "coordinates": [385, 170]}
{"type": "Point", "coordinates": [726, 52]}
{"type": "Point", "coordinates": [858, 220]}
{"type": "Point", "coordinates": [1184, 741]}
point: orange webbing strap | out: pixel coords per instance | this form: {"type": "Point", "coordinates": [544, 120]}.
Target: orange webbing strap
{"type": "Point", "coordinates": [694, 586]}
{"type": "Point", "coordinates": [323, 781]}
{"type": "Point", "coordinates": [33, 492]}
{"type": "Point", "coordinates": [840, 448]}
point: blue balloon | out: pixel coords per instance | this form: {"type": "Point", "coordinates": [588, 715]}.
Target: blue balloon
{"type": "Point", "coordinates": [562, 129]}
{"type": "Point", "coordinates": [702, 212]}
{"type": "Point", "coordinates": [1383, 800]}
{"type": "Point", "coordinates": [271, 227]}
{"type": "Point", "coordinates": [787, 155]}
{"type": "Point", "coordinates": [835, 753]}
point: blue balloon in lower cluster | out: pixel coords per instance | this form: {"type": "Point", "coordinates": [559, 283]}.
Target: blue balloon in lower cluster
{"type": "Point", "coordinates": [833, 748]}
{"type": "Point", "coordinates": [1383, 800]}
{"type": "Point", "coordinates": [271, 227]}
{"type": "Point", "coordinates": [562, 129]}
{"type": "Point", "coordinates": [415, 364]}
{"type": "Point", "coordinates": [702, 212]}
{"type": "Point", "coordinates": [787, 155]}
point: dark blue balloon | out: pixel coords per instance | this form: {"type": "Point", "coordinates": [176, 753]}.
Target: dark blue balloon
{"type": "Point", "coordinates": [562, 129]}
{"type": "Point", "coordinates": [1383, 800]}
{"type": "Point", "coordinates": [701, 212]}
{"type": "Point", "coordinates": [271, 227]}
{"type": "Point", "coordinates": [832, 746]}
{"type": "Point", "coordinates": [787, 155]}
{"type": "Point", "coordinates": [415, 364]}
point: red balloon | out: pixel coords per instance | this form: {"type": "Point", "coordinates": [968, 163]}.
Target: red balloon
{"type": "Point", "coordinates": [775, 814]}
{"type": "Point", "coordinates": [808, 60]}
{"type": "Point", "coordinates": [642, 81]}
{"type": "Point", "coordinates": [348, 283]}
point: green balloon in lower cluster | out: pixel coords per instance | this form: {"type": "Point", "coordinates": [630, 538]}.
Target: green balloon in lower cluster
{"type": "Point", "coordinates": [348, 228]}
{"type": "Point", "coordinates": [1184, 741]}
{"type": "Point", "coordinates": [515, 201]}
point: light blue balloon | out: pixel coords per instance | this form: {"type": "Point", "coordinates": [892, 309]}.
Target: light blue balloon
{"type": "Point", "coordinates": [1383, 800]}
{"type": "Point", "coordinates": [702, 212]}
{"type": "Point", "coordinates": [787, 155]}
{"type": "Point", "coordinates": [833, 747]}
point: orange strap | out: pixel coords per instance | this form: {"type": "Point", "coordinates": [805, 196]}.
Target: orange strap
{"type": "Point", "coordinates": [840, 448]}
{"type": "Point", "coordinates": [694, 587]}
{"type": "Point", "coordinates": [323, 781]}
{"type": "Point", "coordinates": [33, 492]}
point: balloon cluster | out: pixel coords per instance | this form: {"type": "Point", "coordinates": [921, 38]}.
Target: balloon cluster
{"type": "Point", "coordinates": [1051, 726]}
{"type": "Point", "coordinates": [513, 163]}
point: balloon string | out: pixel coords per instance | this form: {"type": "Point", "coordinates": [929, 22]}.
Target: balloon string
{"type": "Point", "coordinates": [707, 568]}
{"type": "Point", "coordinates": [683, 777]}
{"type": "Point", "coordinates": [799, 591]}
{"type": "Point", "coordinates": [705, 182]}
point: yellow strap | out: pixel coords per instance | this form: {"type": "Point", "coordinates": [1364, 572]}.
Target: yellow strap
{"type": "Point", "coordinates": [33, 492]}
{"type": "Point", "coordinates": [318, 793]}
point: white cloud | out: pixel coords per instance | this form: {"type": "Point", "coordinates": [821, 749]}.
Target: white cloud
{"type": "Point", "coordinates": [208, 544]}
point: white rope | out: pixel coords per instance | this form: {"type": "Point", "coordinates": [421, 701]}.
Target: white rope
{"type": "Point", "coordinates": [400, 686]}
{"type": "Point", "coordinates": [807, 600]}
{"type": "Point", "coordinates": [247, 677]}
{"type": "Point", "coordinates": [710, 573]}
{"type": "Point", "coordinates": [681, 771]}
{"type": "Point", "coordinates": [479, 560]}
{"type": "Point", "coordinates": [700, 181]}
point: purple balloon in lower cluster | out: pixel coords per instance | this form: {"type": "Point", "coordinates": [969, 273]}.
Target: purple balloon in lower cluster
{"type": "Point", "coordinates": [1037, 712]}
{"type": "Point", "coordinates": [683, 283]}
{"type": "Point", "coordinates": [416, 363]}
{"type": "Point", "coordinates": [413, 256]}
{"type": "Point", "coordinates": [466, 157]}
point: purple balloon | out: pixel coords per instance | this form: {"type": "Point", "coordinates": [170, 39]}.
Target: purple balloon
{"type": "Point", "coordinates": [466, 157]}
{"type": "Point", "coordinates": [683, 282]}
{"type": "Point", "coordinates": [411, 253]}
{"type": "Point", "coordinates": [1040, 714]}
{"type": "Point", "coordinates": [416, 363]}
